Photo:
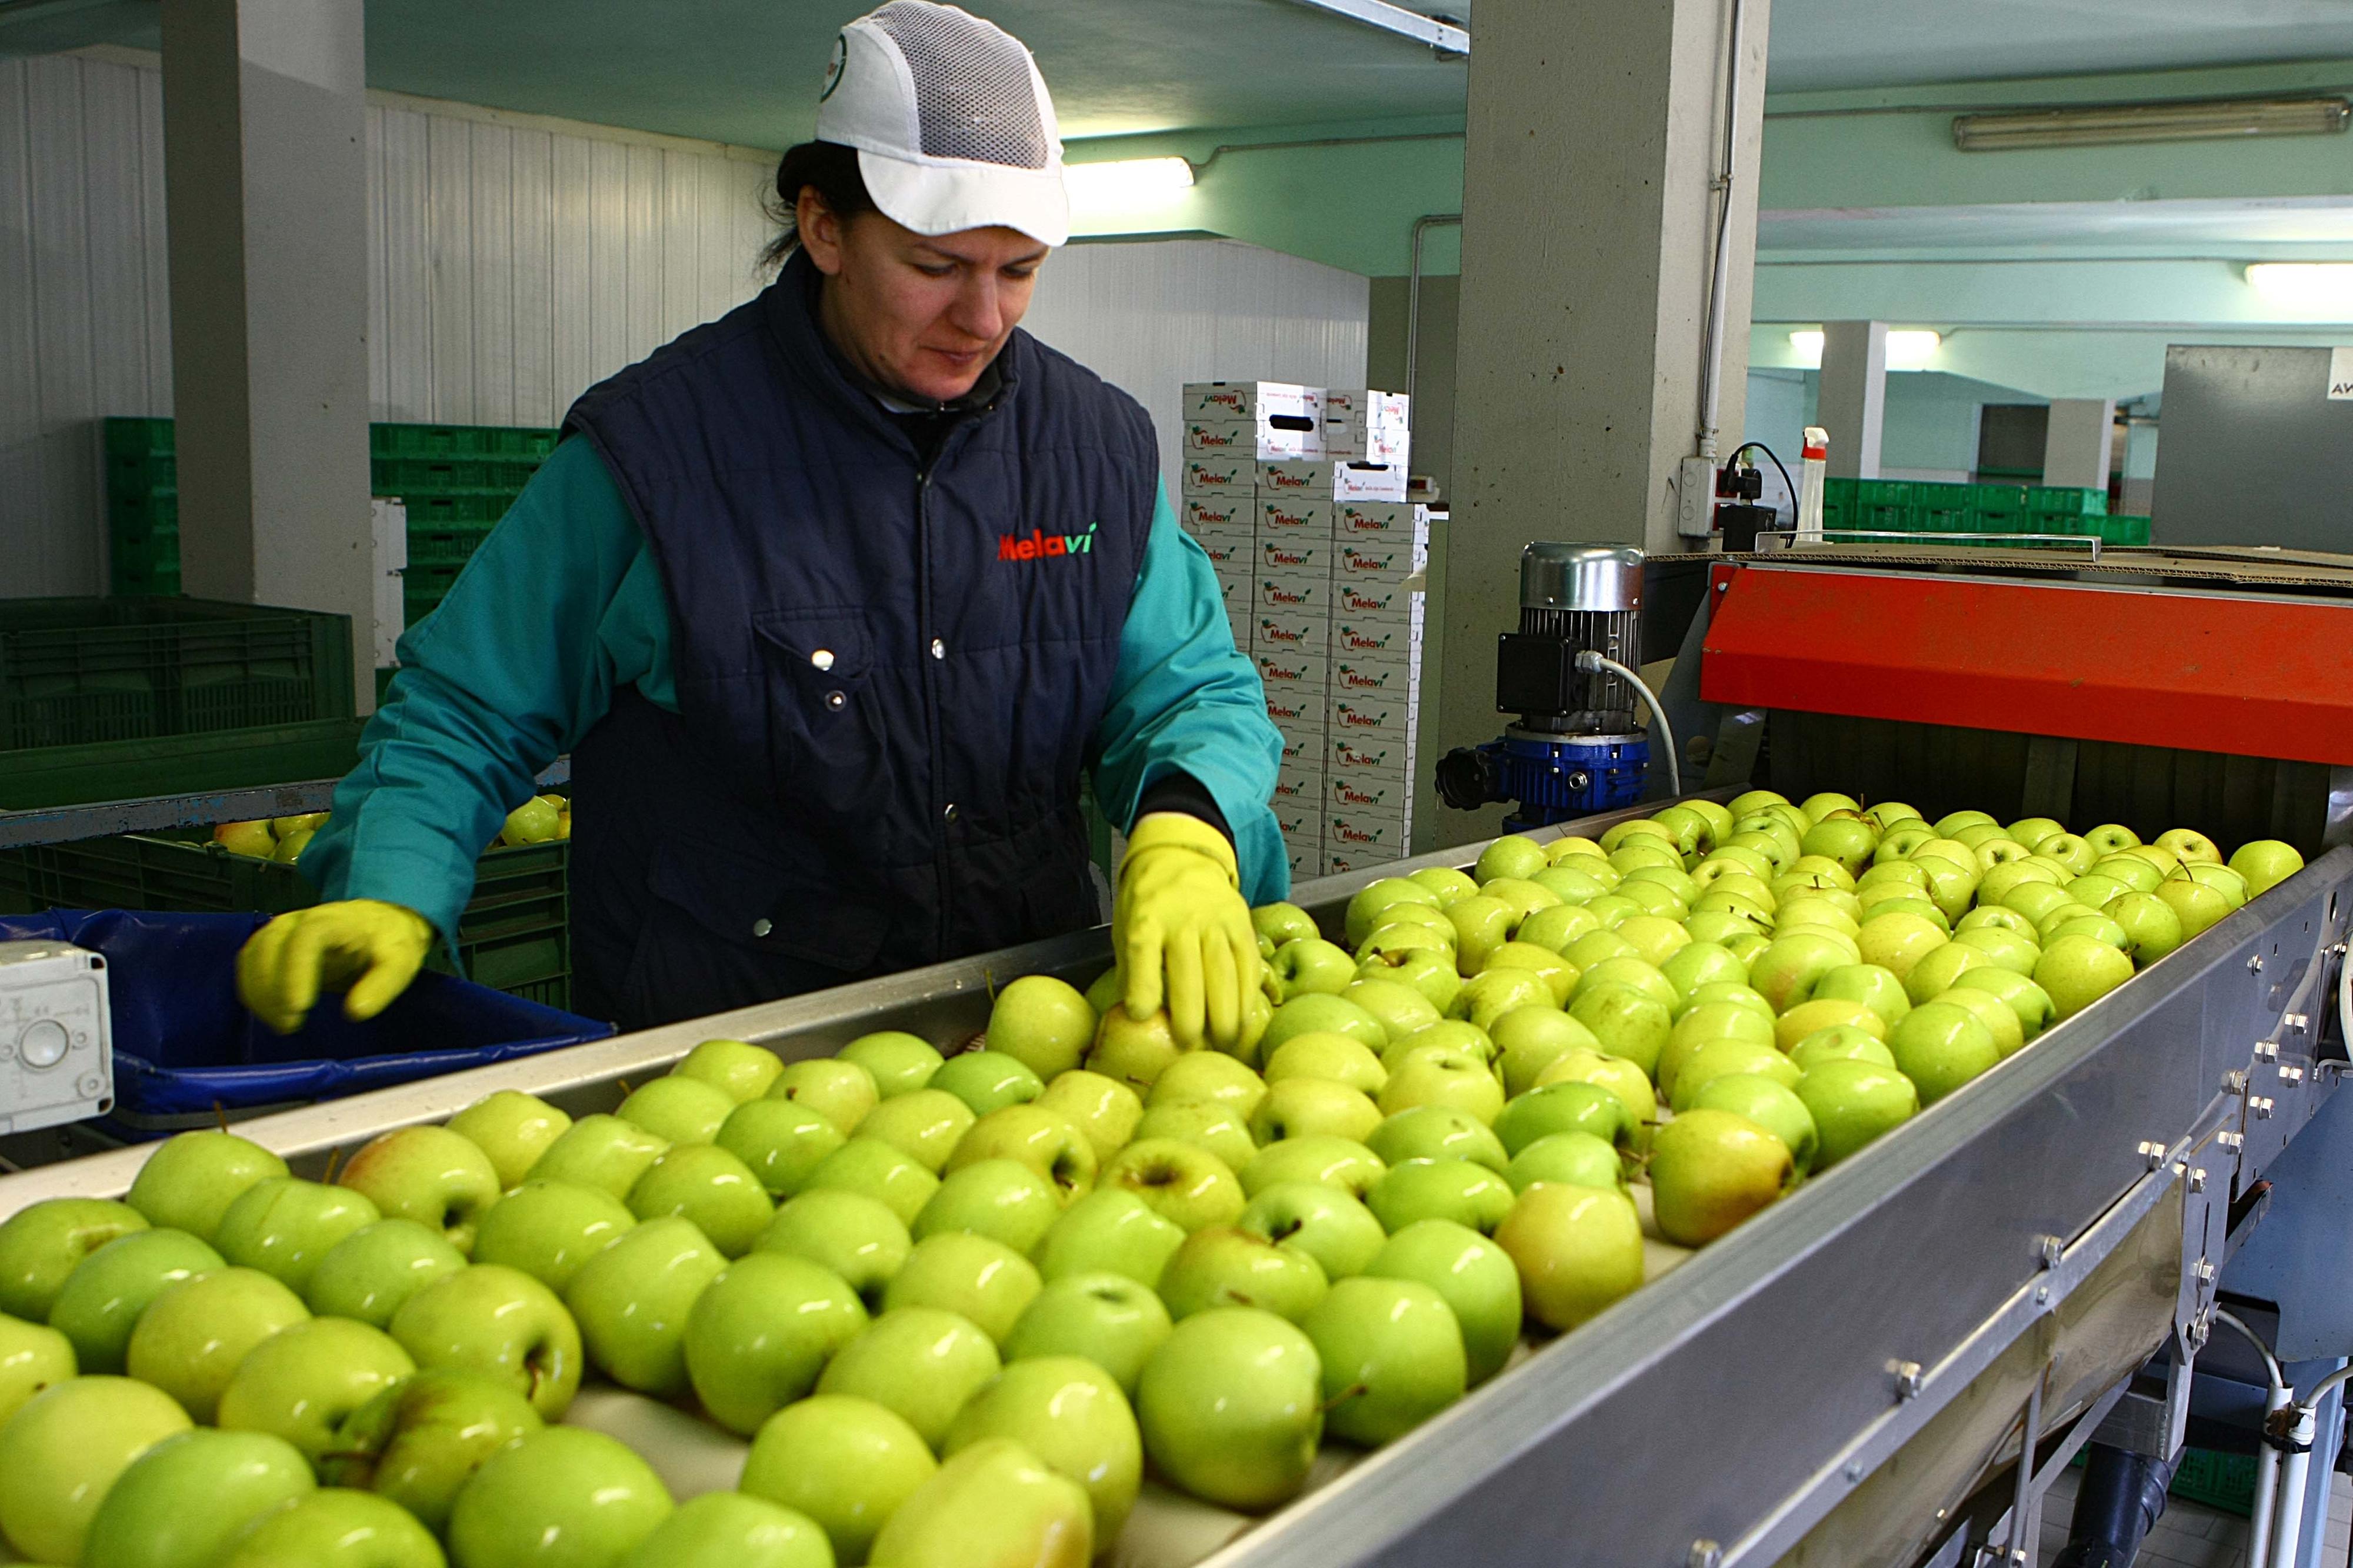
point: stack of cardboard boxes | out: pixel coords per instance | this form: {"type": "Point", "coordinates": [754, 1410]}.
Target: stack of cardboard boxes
{"type": "Point", "coordinates": [1298, 494]}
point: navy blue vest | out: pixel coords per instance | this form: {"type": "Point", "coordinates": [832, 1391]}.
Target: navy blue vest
{"type": "Point", "coordinates": [889, 674]}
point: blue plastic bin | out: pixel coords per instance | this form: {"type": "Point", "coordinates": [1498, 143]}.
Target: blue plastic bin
{"type": "Point", "coordinates": [185, 1049]}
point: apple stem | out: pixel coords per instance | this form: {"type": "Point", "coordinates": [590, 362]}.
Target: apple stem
{"type": "Point", "coordinates": [1356, 1391]}
{"type": "Point", "coordinates": [334, 1158]}
{"type": "Point", "coordinates": [988, 978]}
{"type": "Point", "coordinates": [220, 1115]}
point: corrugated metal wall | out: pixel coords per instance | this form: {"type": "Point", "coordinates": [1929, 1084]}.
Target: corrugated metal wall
{"type": "Point", "coordinates": [512, 265]}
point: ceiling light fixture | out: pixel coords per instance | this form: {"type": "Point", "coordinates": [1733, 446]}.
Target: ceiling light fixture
{"type": "Point", "coordinates": [1907, 349]}
{"type": "Point", "coordinates": [1449, 38]}
{"type": "Point", "coordinates": [2314, 291]}
{"type": "Point", "coordinates": [1126, 185]}
{"type": "Point", "coordinates": [2114, 125]}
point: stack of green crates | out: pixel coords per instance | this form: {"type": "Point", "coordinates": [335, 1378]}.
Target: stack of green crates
{"type": "Point", "coordinates": [456, 480]}
{"type": "Point", "coordinates": [1912, 506]}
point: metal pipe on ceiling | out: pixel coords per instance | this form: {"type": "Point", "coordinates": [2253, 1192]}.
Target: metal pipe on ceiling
{"type": "Point", "coordinates": [1448, 39]}
{"type": "Point", "coordinates": [1421, 226]}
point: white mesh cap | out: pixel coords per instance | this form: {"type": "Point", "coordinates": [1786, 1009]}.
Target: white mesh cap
{"type": "Point", "coordinates": [951, 119]}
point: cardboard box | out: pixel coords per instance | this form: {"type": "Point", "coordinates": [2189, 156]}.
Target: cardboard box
{"type": "Point", "coordinates": [1367, 754]}
{"type": "Point", "coordinates": [1356, 794]}
{"type": "Point", "coordinates": [1250, 400]}
{"type": "Point", "coordinates": [1299, 672]}
{"type": "Point", "coordinates": [1257, 442]}
{"type": "Point", "coordinates": [1303, 638]}
{"type": "Point", "coordinates": [1392, 449]}
{"type": "Point", "coordinates": [1373, 682]}
{"type": "Point", "coordinates": [1374, 599]}
{"type": "Point", "coordinates": [1230, 552]}
{"type": "Point", "coordinates": [1305, 555]}
{"type": "Point", "coordinates": [1298, 715]}
{"type": "Point", "coordinates": [1365, 840]}
{"type": "Point", "coordinates": [1373, 720]}
{"type": "Point", "coordinates": [1286, 517]}
{"type": "Point", "coordinates": [1356, 560]}
{"type": "Point", "coordinates": [1316, 479]}
{"type": "Point", "coordinates": [1289, 594]}
{"type": "Point", "coordinates": [1233, 514]}
{"type": "Point", "coordinates": [1392, 644]}
{"type": "Point", "coordinates": [1379, 523]}
{"type": "Point", "coordinates": [1218, 474]}
{"type": "Point", "coordinates": [1302, 749]}
{"type": "Point", "coordinates": [1366, 406]}
{"type": "Point", "coordinates": [1300, 788]}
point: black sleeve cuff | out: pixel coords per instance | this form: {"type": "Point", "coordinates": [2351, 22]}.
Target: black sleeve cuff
{"type": "Point", "coordinates": [1180, 791]}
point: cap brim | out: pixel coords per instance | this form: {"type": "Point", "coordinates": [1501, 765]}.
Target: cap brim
{"type": "Point", "coordinates": [949, 197]}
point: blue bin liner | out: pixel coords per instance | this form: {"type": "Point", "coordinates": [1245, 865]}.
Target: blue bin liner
{"type": "Point", "coordinates": [185, 1044]}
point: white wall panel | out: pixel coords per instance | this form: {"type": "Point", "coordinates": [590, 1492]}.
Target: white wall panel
{"type": "Point", "coordinates": [512, 264]}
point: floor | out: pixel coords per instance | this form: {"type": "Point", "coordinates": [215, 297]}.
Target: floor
{"type": "Point", "coordinates": [2191, 1536]}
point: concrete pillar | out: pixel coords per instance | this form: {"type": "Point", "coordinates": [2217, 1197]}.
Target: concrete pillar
{"type": "Point", "coordinates": [265, 187]}
{"type": "Point", "coordinates": [2076, 443]}
{"type": "Point", "coordinates": [1594, 140]}
{"type": "Point", "coordinates": [1854, 401]}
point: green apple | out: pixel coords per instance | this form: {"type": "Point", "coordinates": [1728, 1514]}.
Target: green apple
{"type": "Point", "coordinates": [33, 1357]}
{"type": "Point", "coordinates": [300, 1384]}
{"type": "Point", "coordinates": [758, 1335]}
{"type": "Point", "coordinates": [1701, 962]}
{"type": "Point", "coordinates": [1940, 967]}
{"type": "Point", "coordinates": [334, 1528]}
{"type": "Point", "coordinates": [1104, 1109]}
{"type": "Point", "coordinates": [841, 1091]}
{"type": "Point", "coordinates": [1573, 1158]}
{"type": "Point", "coordinates": [1706, 1025]}
{"type": "Point", "coordinates": [987, 1080]}
{"type": "Point", "coordinates": [1209, 1076]}
{"type": "Point", "coordinates": [2048, 927]}
{"type": "Point", "coordinates": [922, 1362]}
{"type": "Point", "coordinates": [1107, 1319]}
{"type": "Point", "coordinates": [1571, 1107]}
{"type": "Point", "coordinates": [1577, 1250]}
{"type": "Point", "coordinates": [284, 1225]}
{"type": "Point", "coordinates": [1476, 1279]}
{"type": "Point", "coordinates": [1786, 971]}
{"type": "Point", "coordinates": [1338, 1058]}
{"type": "Point", "coordinates": [1182, 1183]}
{"type": "Point", "coordinates": [926, 1124]}
{"type": "Point", "coordinates": [1224, 1266]}
{"type": "Point", "coordinates": [1717, 928]}
{"type": "Point", "coordinates": [1828, 1013]}
{"type": "Point", "coordinates": [1710, 1169]}
{"type": "Point", "coordinates": [1072, 1413]}
{"type": "Point", "coordinates": [1941, 1045]}
{"type": "Point", "coordinates": [2022, 996]}
{"type": "Point", "coordinates": [1230, 1407]}
{"type": "Point", "coordinates": [2009, 1034]}
{"type": "Point", "coordinates": [1769, 1103]}
{"type": "Point", "coordinates": [1003, 1200]}
{"type": "Point", "coordinates": [2197, 905]}
{"type": "Point", "coordinates": [1482, 924]}
{"type": "Point", "coordinates": [1725, 1059]}
{"type": "Point", "coordinates": [1307, 966]}
{"type": "Point", "coordinates": [547, 1230]}
{"type": "Point", "coordinates": [1452, 1036]}
{"type": "Point", "coordinates": [368, 1274]}
{"type": "Point", "coordinates": [2265, 863]}
{"type": "Point", "coordinates": [101, 1301]}
{"type": "Point", "coordinates": [499, 1323]}
{"type": "Point", "coordinates": [2221, 879]}
{"type": "Point", "coordinates": [877, 1170]}
{"type": "Point", "coordinates": [1319, 1013]}
{"type": "Point", "coordinates": [2074, 853]}
{"type": "Point", "coordinates": [1448, 883]}
{"type": "Point", "coordinates": [985, 1282]}
{"type": "Point", "coordinates": [1110, 1230]}
{"type": "Point", "coordinates": [1853, 1102]}
{"type": "Point", "coordinates": [2035, 900]}
{"type": "Point", "coordinates": [782, 1140]}
{"type": "Point", "coordinates": [192, 1336]}
{"type": "Point", "coordinates": [1430, 974]}
{"type": "Point", "coordinates": [1369, 905]}
{"type": "Point", "coordinates": [63, 1450]}
{"type": "Point", "coordinates": [420, 1441]}
{"type": "Point", "coordinates": [1886, 814]}
{"type": "Point", "coordinates": [1437, 1132]}
{"type": "Point", "coordinates": [898, 1062]}
{"type": "Point", "coordinates": [1897, 941]}
{"type": "Point", "coordinates": [1494, 992]}
{"type": "Point", "coordinates": [1205, 1124]}
{"type": "Point", "coordinates": [2091, 925]}
{"type": "Point", "coordinates": [631, 1301]}
{"type": "Point", "coordinates": [994, 1501]}
{"type": "Point", "coordinates": [1309, 1107]}
{"type": "Point", "coordinates": [741, 1070]}
{"type": "Point", "coordinates": [1330, 1225]}
{"type": "Point", "coordinates": [1132, 1051]}
{"type": "Point", "coordinates": [1620, 1077]}
{"type": "Point", "coordinates": [710, 1186]}
{"type": "Point", "coordinates": [1417, 929]}
{"type": "Point", "coordinates": [1457, 1190]}
{"type": "Point", "coordinates": [679, 1109]}
{"type": "Point", "coordinates": [513, 1130]}
{"type": "Point", "coordinates": [2136, 872]}
{"type": "Point", "coordinates": [1390, 1356]}
{"type": "Point", "coordinates": [1399, 1007]}
{"type": "Point", "coordinates": [1558, 975]}
{"type": "Point", "coordinates": [2110, 837]}
{"type": "Point", "coordinates": [190, 1180]}
{"type": "Point", "coordinates": [1282, 923]}
{"type": "Point", "coordinates": [1849, 841]}
{"type": "Point", "coordinates": [860, 1238]}
{"type": "Point", "coordinates": [847, 1463]}
{"type": "Point", "coordinates": [1044, 1141]}
{"type": "Point", "coordinates": [43, 1243]}
{"type": "Point", "coordinates": [729, 1530]}
{"type": "Point", "coordinates": [1840, 1042]}
{"type": "Point", "coordinates": [1624, 1021]}
{"type": "Point", "coordinates": [1516, 855]}
{"type": "Point", "coordinates": [1555, 926]}
{"type": "Point", "coordinates": [2007, 919]}
{"type": "Point", "coordinates": [562, 1494]}
{"type": "Point", "coordinates": [180, 1503]}
{"type": "Point", "coordinates": [1043, 1023]}
{"type": "Point", "coordinates": [2077, 971]}
{"type": "Point", "coordinates": [1336, 1162]}
{"type": "Point", "coordinates": [2005, 947]}
{"type": "Point", "coordinates": [601, 1151]}
{"type": "Point", "coordinates": [1530, 1040]}
{"type": "Point", "coordinates": [1104, 990]}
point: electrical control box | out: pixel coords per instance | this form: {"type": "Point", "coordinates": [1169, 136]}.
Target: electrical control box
{"type": "Point", "coordinates": [56, 1051]}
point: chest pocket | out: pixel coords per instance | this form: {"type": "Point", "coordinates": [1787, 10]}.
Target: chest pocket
{"type": "Point", "coordinates": [826, 729]}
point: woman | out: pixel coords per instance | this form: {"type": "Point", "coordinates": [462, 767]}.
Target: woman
{"type": "Point", "coordinates": [831, 601]}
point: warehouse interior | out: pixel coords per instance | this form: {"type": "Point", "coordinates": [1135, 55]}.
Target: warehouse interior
{"type": "Point", "coordinates": [1824, 507]}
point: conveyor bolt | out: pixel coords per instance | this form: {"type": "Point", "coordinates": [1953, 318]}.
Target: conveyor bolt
{"type": "Point", "coordinates": [2298, 1022]}
{"type": "Point", "coordinates": [2155, 1152]}
{"type": "Point", "coordinates": [1908, 1379]}
{"type": "Point", "coordinates": [2262, 1107]}
{"type": "Point", "coordinates": [1704, 1554]}
{"type": "Point", "coordinates": [2234, 1083]}
{"type": "Point", "coordinates": [2231, 1139]}
{"type": "Point", "coordinates": [2266, 1050]}
{"type": "Point", "coordinates": [2196, 1178]}
{"type": "Point", "coordinates": [2050, 1249]}
{"type": "Point", "coordinates": [2291, 1075]}
{"type": "Point", "coordinates": [2255, 964]}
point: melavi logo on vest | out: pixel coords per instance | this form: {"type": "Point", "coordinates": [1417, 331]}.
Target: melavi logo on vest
{"type": "Point", "coordinates": [1013, 547]}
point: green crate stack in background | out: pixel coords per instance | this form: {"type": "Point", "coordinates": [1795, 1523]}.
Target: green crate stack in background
{"type": "Point", "coordinates": [456, 480]}
{"type": "Point", "coordinates": [1914, 506]}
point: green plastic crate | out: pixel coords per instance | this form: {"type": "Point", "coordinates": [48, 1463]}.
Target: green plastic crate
{"type": "Point", "coordinates": [162, 583]}
{"type": "Point", "coordinates": [145, 554]}
{"type": "Point", "coordinates": [138, 473]}
{"type": "Point", "coordinates": [136, 515]}
{"type": "Point", "coordinates": [76, 671]}
{"type": "Point", "coordinates": [178, 764]}
{"type": "Point", "coordinates": [444, 547]}
{"type": "Point", "coordinates": [2223, 1481]}
{"type": "Point", "coordinates": [514, 934]}
{"type": "Point", "coordinates": [2124, 529]}
{"type": "Point", "coordinates": [456, 509]}
{"type": "Point", "coordinates": [130, 437]}
{"type": "Point", "coordinates": [388, 440]}
{"type": "Point", "coordinates": [2067, 499]}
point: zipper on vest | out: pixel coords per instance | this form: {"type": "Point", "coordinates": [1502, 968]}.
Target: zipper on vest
{"type": "Point", "coordinates": [924, 628]}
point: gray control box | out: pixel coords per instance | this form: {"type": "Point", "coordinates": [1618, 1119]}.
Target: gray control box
{"type": "Point", "coordinates": [56, 1049]}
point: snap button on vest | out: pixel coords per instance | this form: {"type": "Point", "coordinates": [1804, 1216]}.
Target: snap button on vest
{"type": "Point", "coordinates": [939, 648]}
{"type": "Point", "coordinates": [761, 926]}
{"type": "Point", "coordinates": [835, 700]}
{"type": "Point", "coordinates": [822, 658]}
{"type": "Point", "coordinates": [950, 812]}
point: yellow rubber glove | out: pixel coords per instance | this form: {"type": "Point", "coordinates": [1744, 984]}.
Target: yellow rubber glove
{"type": "Point", "coordinates": [1181, 932]}
{"type": "Point", "coordinates": [374, 949]}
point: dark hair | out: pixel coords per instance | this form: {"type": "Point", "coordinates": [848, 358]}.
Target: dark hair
{"type": "Point", "coordinates": [832, 170]}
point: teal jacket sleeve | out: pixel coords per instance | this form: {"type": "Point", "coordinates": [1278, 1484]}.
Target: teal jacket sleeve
{"type": "Point", "coordinates": [1184, 698]}
{"type": "Point", "coordinates": [559, 608]}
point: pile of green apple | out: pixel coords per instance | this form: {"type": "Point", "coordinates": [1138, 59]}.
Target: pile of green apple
{"type": "Point", "coordinates": [280, 838]}
{"type": "Point", "coordinates": [958, 1303]}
